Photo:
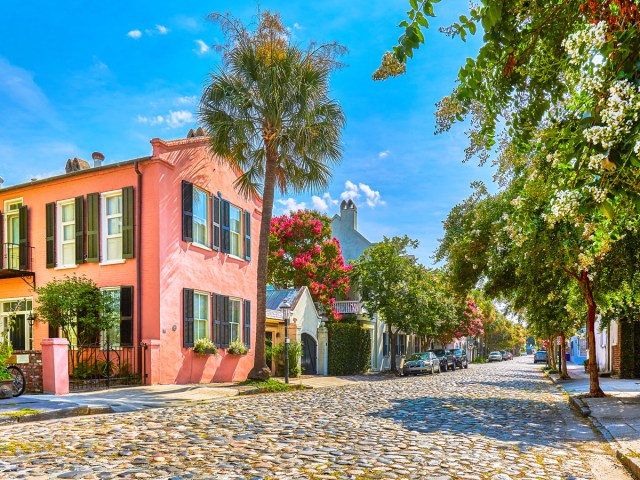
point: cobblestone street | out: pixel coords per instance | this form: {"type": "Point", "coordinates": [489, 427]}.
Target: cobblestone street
{"type": "Point", "coordinates": [495, 421]}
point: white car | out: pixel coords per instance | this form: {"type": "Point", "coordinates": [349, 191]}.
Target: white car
{"type": "Point", "coordinates": [495, 357]}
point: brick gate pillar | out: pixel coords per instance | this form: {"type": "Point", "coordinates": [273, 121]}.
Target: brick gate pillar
{"type": "Point", "coordinates": [55, 366]}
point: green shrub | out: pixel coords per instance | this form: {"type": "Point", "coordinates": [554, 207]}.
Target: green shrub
{"type": "Point", "coordinates": [295, 352]}
{"type": "Point", "coordinates": [271, 385]}
{"type": "Point", "coordinates": [479, 360]}
{"type": "Point", "coordinates": [349, 348]}
{"type": "Point", "coordinates": [6, 350]}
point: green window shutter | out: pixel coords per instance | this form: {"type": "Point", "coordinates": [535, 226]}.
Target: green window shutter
{"type": "Point", "coordinates": [226, 325]}
{"type": "Point", "coordinates": [216, 319]}
{"type": "Point", "coordinates": [187, 211]}
{"type": "Point", "coordinates": [216, 222]}
{"type": "Point", "coordinates": [226, 226]}
{"type": "Point", "coordinates": [93, 227]}
{"type": "Point", "coordinates": [127, 223]}
{"type": "Point", "coordinates": [221, 326]}
{"type": "Point", "coordinates": [50, 231]}
{"type": "Point", "coordinates": [187, 318]}
{"type": "Point", "coordinates": [79, 230]}
{"type": "Point", "coordinates": [23, 249]}
{"type": "Point", "coordinates": [126, 315]}
{"type": "Point", "coordinates": [247, 322]}
{"type": "Point", "coordinates": [247, 235]}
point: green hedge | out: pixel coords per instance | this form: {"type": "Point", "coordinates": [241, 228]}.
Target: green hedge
{"type": "Point", "coordinates": [349, 348]}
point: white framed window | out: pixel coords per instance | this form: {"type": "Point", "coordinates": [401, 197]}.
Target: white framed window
{"type": "Point", "coordinates": [112, 335]}
{"type": "Point", "coordinates": [112, 226]}
{"type": "Point", "coordinates": [12, 233]}
{"type": "Point", "coordinates": [235, 319]}
{"type": "Point", "coordinates": [14, 325]}
{"type": "Point", "coordinates": [200, 217]}
{"type": "Point", "coordinates": [66, 233]}
{"type": "Point", "coordinates": [235, 227]}
{"type": "Point", "coordinates": [201, 304]}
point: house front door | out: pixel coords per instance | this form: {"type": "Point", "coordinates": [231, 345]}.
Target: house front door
{"type": "Point", "coordinates": [18, 332]}
{"type": "Point", "coordinates": [309, 354]}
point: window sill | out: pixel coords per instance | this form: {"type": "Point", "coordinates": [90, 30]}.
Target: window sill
{"type": "Point", "coordinates": [112, 262]}
{"type": "Point", "coordinates": [66, 267]}
{"type": "Point", "coordinates": [236, 257]}
{"type": "Point", "coordinates": [203, 247]}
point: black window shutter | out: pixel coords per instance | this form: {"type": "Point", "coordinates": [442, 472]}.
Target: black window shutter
{"type": "Point", "coordinates": [79, 231]}
{"type": "Point", "coordinates": [187, 320]}
{"type": "Point", "coordinates": [127, 223]}
{"type": "Point", "coordinates": [215, 319]}
{"type": "Point", "coordinates": [226, 227]}
{"type": "Point", "coordinates": [385, 344]}
{"type": "Point", "coordinates": [93, 227]}
{"type": "Point", "coordinates": [216, 222]}
{"type": "Point", "coordinates": [50, 232]}
{"type": "Point", "coordinates": [126, 315]}
{"type": "Point", "coordinates": [226, 325]}
{"type": "Point", "coordinates": [187, 211]}
{"type": "Point", "coordinates": [247, 235]}
{"type": "Point", "coordinates": [247, 323]}
{"type": "Point", "coordinates": [23, 251]}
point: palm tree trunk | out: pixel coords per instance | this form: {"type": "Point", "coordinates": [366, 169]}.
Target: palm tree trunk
{"type": "Point", "coordinates": [594, 381]}
{"type": "Point", "coordinates": [260, 370]}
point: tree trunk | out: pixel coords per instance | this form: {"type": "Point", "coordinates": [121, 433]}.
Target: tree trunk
{"type": "Point", "coordinates": [594, 381]}
{"type": "Point", "coordinates": [260, 370]}
{"type": "Point", "coordinates": [392, 348]}
{"type": "Point", "coordinates": [551, 354]}
{"type": "Point", "coordinates": [563, 358]}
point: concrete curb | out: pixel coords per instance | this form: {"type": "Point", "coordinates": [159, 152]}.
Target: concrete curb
{"type": "Point", "coordinates": [56, 414]}
{"type": "Point", "coordinates": [627, 458]}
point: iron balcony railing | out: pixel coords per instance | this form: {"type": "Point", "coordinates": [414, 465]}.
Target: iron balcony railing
{"type": "Point", "coordinates": [349, 306]}
{"type": "Point", "coordinates": [16, 257]}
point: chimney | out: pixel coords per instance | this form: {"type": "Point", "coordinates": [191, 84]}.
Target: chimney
{"type": "Point", "coordinates": [98, 158]}
{"type": "Point", "coordinates": [76, 164]}
{"type": "Point", "coordinates": [1, 181]}
{"type": "Point", "coordinates": [349, 213]}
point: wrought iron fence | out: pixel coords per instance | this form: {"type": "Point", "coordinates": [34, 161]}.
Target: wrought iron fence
{"type": "Point", "coordinates": [99, 366]}
{"type": "Point", "coordinates": [16, 256]}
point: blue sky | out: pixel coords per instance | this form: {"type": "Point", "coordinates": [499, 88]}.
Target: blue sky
{"type": "Point", "coordinates": [76, 77]}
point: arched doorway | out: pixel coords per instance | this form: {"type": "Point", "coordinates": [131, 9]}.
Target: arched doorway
{"type": "Point", "coordinates": [309, 354]}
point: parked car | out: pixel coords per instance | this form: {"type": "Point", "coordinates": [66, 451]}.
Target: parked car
{"type": "Point", "coordinates": [460, 357]}
{"type": "Point", "coordinates": [495, 357]}
{"type": "Point", "coordinates": [506, 355]}
{"type": "Point", "coordinates": [425, 362]}
{"type": "Point", "coordinates": [540, 356]}
{"type": "Point", "coordinates": [447, 360]}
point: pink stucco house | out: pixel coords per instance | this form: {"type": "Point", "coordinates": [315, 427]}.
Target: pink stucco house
{"type": "Point", "coordinates": [167, 233]}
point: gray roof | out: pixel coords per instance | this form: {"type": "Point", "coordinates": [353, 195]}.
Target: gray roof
{"type": "Point", "coordinates": [276, 297]}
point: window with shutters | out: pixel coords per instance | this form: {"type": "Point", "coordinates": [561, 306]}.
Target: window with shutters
{"type": "Point", "coordinates": [66, 233]}
{"type": "Point", "coordinates": [235, 227]}
{"type": "Point", "coordinates": [112, 335]}
{"type": "Point", "coordinates": [201, 316]}
{"type": "Point", "coordinates": [12, 233]}
{"type": "Point", "coordinates": [235, 319]}
{"type": "Point", "coordinates": [112, 226]}
{"type": "Point", "coordinates": [200, 214]}
{"type": "Point", "coordinates": [14, 314]}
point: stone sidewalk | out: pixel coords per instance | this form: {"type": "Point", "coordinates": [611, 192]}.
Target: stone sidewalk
{"type": "Point", "coordinates": [617, 416]}
{"type": "Point", "coordinates": [28, 408]}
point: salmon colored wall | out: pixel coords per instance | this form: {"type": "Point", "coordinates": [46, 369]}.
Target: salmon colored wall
{"type": "Point", "coordinates": [183, 265]}
{"type": "Point", "coordinates": [35, 197]}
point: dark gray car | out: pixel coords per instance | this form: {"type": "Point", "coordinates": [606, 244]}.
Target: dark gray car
{"type": "Point", "coordinates": [447, 360]}
{"type": "Point", "coordinates": [461, 358]}
{"type": "Point", "coordinates": [425, 362]}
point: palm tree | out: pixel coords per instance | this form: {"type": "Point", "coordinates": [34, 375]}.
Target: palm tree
{"type": "Point", "coordinates": [269, 116]}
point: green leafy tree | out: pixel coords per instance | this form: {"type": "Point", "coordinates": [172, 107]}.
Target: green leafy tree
{"type": "Point", "coordinates": [270, 117]}
{"type": "Point", "coordinates": [390, 282]}
{"type": "Point", "coordinates": [77, 307]}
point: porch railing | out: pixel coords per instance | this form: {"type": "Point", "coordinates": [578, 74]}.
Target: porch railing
{"type": "Point", "coordinates": [349, 306]}
{"type": "Point", "coordinates": [16, 256]}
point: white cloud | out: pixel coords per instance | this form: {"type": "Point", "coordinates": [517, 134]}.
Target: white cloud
{"type": "Point", "coordinates": [384, 154]}
{"type": "Point", "coordinates": [291, 205]}
{"type": "Point", "coordinates": [202, 47]}
{"type": "Point", "coordinates": [351, 191]}
{"type": "Point", "coordinates": [172, 120]}
{"type": "Point", "coordinates": [162, 30]}
{"type": "Point", "coordinates": [324, 203]}
{"type": "Point", "coordinates": [297, 26]}
{"type": "Point", "coordinates": [186, 100]}
{"type": "Point", "coordinates": [134, 34]}
{"type": "Point", "coordinates": [373, 196]}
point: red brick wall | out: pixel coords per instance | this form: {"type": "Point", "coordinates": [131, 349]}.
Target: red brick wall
{"type": "Point", "coordinates": [32, 370]}
{"type": "Point", "coordinates": [615, 353]}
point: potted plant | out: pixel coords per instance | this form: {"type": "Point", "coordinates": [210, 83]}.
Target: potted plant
{"type": "Point", "coordinates": [204, 346]}
{"type": "Point", "coordinates": [6, 380]}
{"type": "Point", "coordinates": [237, 348]}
